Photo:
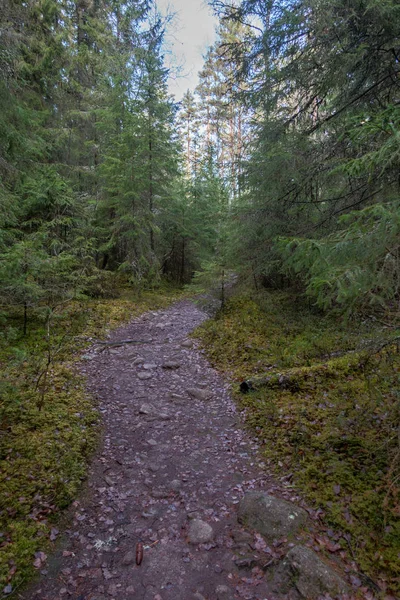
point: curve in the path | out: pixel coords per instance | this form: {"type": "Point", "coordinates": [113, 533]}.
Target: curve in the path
{"type": "Point", "coordinates": [174, 465]}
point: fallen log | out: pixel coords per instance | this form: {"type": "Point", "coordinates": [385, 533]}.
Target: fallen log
{"type": "Point", "coordinates": [277, 380]}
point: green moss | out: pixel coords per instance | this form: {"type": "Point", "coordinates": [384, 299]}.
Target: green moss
{"type": "Point", "coordinates": [327, 410]}
{"type": "Point", "coordinates": [45, 442]}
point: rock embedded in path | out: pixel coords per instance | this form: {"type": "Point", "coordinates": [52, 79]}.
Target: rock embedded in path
{"type": "Point", "coordinates": [200, 532]}
{"type": "Point", "coordinates": [177, 398]}
{"type": "Point", "coordinates": [171, 364]}
{"type": "Point", "coordinates": [175, 485]}
{"type": "Point", "coordinates": [149, 366]}
{"type": "Point", "coordinates": [147, 409]}
{"type": "Point", "coordinates": [272, 517]}
{"type": "Point", "coordinates": [151, 411]}
{"type": "Point", "coordinates": [144, 375]}
{"type": "Point", "coordinates": [187, 344]}
{"type": "Point", "coordinates": [303, 569]}
{"type": "Point", "coordinates": [199, 394]}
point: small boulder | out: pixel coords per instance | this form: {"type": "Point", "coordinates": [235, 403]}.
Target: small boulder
{"type": "Point", "coordinates": [272, 517]}
{"type": "Point", "coordinates": [200, 532]}
{"type": "Point", "coordinates": [304, 570]}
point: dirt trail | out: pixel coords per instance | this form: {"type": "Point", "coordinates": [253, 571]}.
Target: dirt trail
{"type": "Point", "coordinates": [171, 472]}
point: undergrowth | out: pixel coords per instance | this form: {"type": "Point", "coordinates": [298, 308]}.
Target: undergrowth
{"type": "Point", "coordinates": [49, 425]}
{"type": "Point", "coordinates": [326, 405]}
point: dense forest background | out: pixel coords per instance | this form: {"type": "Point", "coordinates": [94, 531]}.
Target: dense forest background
{"type": "Point", "coordinates": [283, 164]}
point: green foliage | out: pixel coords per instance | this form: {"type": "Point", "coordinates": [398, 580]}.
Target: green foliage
{"type": "Point", "coordinates": [355, 268]}
{"type": "Point", "coordinates": [321, 79]}
{"type": "Point", "coordinates": [326, 410]}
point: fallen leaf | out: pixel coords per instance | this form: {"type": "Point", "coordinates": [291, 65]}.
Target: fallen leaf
{"type": "Point", "coordinates": [333, 547]}
{"type": "Point", "coordinates": [40, 559]}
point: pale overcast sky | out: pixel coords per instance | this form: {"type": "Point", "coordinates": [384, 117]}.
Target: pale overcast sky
{"type": "Point", "coordinates": [188, 36]}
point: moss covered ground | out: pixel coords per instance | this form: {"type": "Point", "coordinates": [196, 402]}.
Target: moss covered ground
{"type": "Point", "coordinates": [326, 405]}
{"type": "Point", "coordinates": [49, 425]}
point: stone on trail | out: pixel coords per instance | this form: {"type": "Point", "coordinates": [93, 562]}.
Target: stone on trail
{"type": "Point", "coordinates": [223, 592]}
{"type": "Point", "coordinates": [171, 365]}
{"type": "Point", "coordinates": [270, 516]}
{"type": "Point", "coordinates": [187, 344]}
{"type": "Point", "coordinates": [303, 569]}
{"type": "Point", "coordinates": [242, 537]}
{"type": "Point", "coordinates": [199, 394]}
{"type": "Point", "coordinates": [175, 485]}
{"type": "Point", "coordinates": [151, 411]}
{"type": "Point", "coordinates": [178, 399]}
{"type": "Point", "coordinates": [200, 532]}
{"type": "Point", "coordinates": [147, 409]}
{"type": "Point", "coordinates": [149, 366]}
{"type": "Point", "coordinates": [138, 361]}
{"type": "Point", "coordinates": [144, 375]}
{"type": "Point", "coordinates": [112, 589]}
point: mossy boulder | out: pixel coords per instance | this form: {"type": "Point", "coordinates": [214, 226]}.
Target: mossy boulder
{"type": "Point", "coordinates": [272, 517]}
{"type": "Point", "coordinates": [303, 570]}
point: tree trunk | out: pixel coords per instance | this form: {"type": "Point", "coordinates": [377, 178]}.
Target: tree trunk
{"type": "Point", "coordinates": [25, 318]}
{"type": "Point", "coordinates": [151, 190]}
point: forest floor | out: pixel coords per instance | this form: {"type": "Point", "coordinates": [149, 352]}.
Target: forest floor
{"type": "Point", "coordinates": [174, 463]}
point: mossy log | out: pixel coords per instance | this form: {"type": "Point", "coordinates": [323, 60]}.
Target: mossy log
{"type": "Point", "coordinates": [294, 380]}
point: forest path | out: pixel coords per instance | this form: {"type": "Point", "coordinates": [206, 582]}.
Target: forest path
{"type": "Point", "coordinates": [174, 464]}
